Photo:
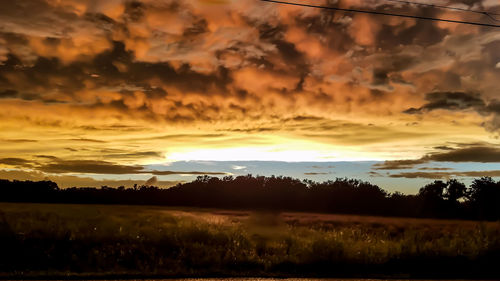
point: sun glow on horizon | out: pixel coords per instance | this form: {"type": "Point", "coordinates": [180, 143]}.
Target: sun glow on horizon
{"type": "Point", "coordinates": [267, 154]}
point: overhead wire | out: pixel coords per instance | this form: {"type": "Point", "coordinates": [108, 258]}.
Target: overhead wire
{"type": "Point", "coordinates": [379, 13]}
{"type": "Point", "coordinates": [488, 14]}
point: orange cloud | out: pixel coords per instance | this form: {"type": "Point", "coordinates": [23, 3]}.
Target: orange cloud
{"type": "Point", "coordinates": [85, 77]}
{"type": "Point", "coordinates": [364, 29]}
{"type": "Point", "coordinates": [69, 49]}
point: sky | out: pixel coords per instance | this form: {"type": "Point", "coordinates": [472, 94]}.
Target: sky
{"type": "Point", "coordinates": [120, 92]}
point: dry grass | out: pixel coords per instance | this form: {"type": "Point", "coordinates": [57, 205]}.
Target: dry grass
{"type": "Point", "coordinates": [103, 239]}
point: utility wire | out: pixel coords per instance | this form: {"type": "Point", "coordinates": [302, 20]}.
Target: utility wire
{"type": "Point", "coordinates": [488, 14]}
{"type": "Point", "coordinates": [379, 13]}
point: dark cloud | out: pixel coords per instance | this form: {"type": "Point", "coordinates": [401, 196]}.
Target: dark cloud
{"type": "Point", "coordinates": [18, 140]}
{"type": "Point", "coordinates": [134, 10]}
{"type": "Point", "coordinates": [138, 73]}
{"type": "Point", "coordinates": [316, 173]}
{"type": "Point", "coordinates": [132, 155]}
{"type": "Point", "coordinates": [24, 96]}
{"type": "Point", "coordinates": [328, 26]}
{"type": "Point", "coordinates": [494, 107]}
{"type": "Point", "coordinates": [424, 33]}
{"type": "Point", "coordinates": [114, 70]}
{"type": "Point", "coordinates": [472, 153]}
{"type": "Point", "coordinates": [375, 174]}
{"type": "Point", "coordinates": [492, 173]}
{"type": "Point", "coordinates": [308, 118]}
{"type": "Point", "coordinates": [322, 167]}
{"type": "Point", "coordinates": [55, 165]}
{"type": "Point", "coordinates": [434, 169]}
{"type": "Point", "coordinates": [128, 62]}
{"type": "Point", "coordinates": [380, 77]}
{"type": "Point", "coordinates": [425, 175]}
{"type": "Point", "coordinates": [483, 154]}
{"type": "Point", "coordinates": [455, 101]}
{"type": "Point", "coordinates": [443, 147]}
{"type": "Point", "coordinates": [89, 166]}
{"type": "Point", "coordinates": [15, 162]}
{"type": "Point", "coordinates": [253, 130]}
{"type": "Point", "coordinates": [199, 27]}
{"type": "Point", "coordinates": [296, 60]}
{"type": "Point", "coordinates": [50, 157]}
{"type": "Point", "coordinates": [59, 166]}
{"type": "Point", "coordinates": [123, 128]}
{"type": "Point", "coordinates": [398, 164]}
{"type": "Point", "coordinates": [45, 19]}
{"type": "Point", "coordinates": [449, 101]}
{"type": "Point", "coordinates": [9, 93]}
{"type": "Point", "coordinates": [188, 136]}
{"type": "Point", "coordinates": [353, 133]}
{"type": "Point", "coordinates": [87, 140]}
{"type": "Point", "coordinates": [446, 175]}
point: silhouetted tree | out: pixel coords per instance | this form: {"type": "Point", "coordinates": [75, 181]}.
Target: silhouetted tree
{"type": "Point", "coordinates": [455, 191]}
{"type": "Point", "coordinates": [342, 195]}
{"type": "Point", "coordinates": [442, 199]}
{"type": "Point", "coordinates": [484, 196]}
{"type": "Point", "coordinates": [433, 190]}
{"type": "Point", "coordinates": [433, 198]}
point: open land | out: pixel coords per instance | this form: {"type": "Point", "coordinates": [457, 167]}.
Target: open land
{"type": "Point", "coordinates": [119, 241]}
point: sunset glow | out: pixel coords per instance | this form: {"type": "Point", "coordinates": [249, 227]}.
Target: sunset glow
{"type": "Point", "coordinates": [117, 86]}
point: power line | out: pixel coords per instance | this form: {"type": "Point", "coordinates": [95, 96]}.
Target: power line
{"type": "Point", "coordinates": [488, 14]}
{"type": "Point", "coordinates": [379, 13]}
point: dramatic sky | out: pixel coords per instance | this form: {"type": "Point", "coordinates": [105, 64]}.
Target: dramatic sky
{"type": "Point", "coordinates": [115, 92]}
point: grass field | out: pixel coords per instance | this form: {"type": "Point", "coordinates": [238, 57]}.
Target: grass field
{"type": "Point", "coordinates": [108, 240]}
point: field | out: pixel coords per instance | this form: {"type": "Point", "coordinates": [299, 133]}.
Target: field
{"type": "Point", "coordinates": [58, 240]}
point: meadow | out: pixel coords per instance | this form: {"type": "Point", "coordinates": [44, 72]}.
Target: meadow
{"type": "Point", "coordinates": [65, 240]}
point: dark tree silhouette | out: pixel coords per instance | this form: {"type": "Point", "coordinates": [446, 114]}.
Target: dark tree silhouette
{"type": "Point", "coordinates": [433, 198]}
{"type": "Point", "coordinates": [434, 191]}
{"type": "Point", "coordinates": [439, 199]}
{"type": "Point", "coordinates": [443, 199]}
{"type": "Point", "coordinates": [484, 196]}
{"type": "Point", "coordinates": [455, 191]}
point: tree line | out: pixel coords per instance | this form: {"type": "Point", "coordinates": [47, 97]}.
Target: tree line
{"type": "Point", "coordinates": [439, 199]}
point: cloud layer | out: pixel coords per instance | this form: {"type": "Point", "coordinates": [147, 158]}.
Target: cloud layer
{"type": "Point", "coordinates": [111, 86]}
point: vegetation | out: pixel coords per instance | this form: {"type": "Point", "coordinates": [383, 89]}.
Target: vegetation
{"type": "Point", "coordinates": [62, 240]}
{"type": "Point", "coordinates": [439, 199]}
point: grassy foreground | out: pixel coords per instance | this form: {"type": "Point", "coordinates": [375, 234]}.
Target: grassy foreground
{"type": "Point", "coordinates": [44, 240]}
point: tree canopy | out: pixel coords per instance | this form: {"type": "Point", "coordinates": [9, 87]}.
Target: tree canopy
{"type": "Point", "coordinates": [439, 199]}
